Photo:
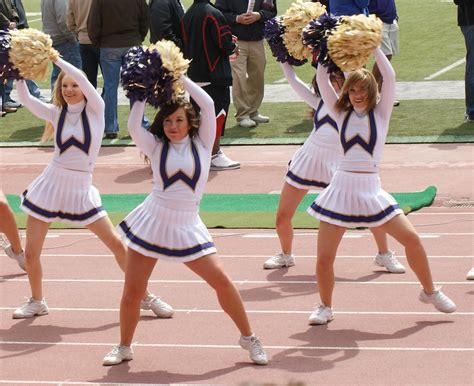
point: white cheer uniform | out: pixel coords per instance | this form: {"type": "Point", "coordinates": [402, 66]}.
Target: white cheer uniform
{"type": "Point", "coordinates": [355, 197]}
{"type": "Point", "coordinates": [314, 163]}
{"type": "Point", "coordinates": [167, 224]}
{"type": "Point", "coordinates": [64, 192]}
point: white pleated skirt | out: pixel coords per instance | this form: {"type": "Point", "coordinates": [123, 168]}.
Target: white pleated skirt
{"type": "Point", "coordinates": [173, 234]}
{"type": "Point", "coordinates": [63, 195]}
{"type": "Point", "coordinates": [312, 166]}
{"type": "Point", "coordinates": [354, 200]}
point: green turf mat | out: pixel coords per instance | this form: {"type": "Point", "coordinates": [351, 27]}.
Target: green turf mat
{"type": "Point", "coordinates": [235, 210]}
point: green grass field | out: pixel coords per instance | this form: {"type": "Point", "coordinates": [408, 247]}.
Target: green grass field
{"type": "Point", "coordinates": [429, 39]}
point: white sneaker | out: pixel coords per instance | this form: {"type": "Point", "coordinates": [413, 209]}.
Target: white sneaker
{"type": "Point", "coordinates": [118, 355]}
{"type": "Point", "coordinates": [390, 262]}
{"type": "Point", "coordinates": [158, 306]}
{"type": "Point", "coordinates": [280, 260]}
{"type": "Point", "coordinates": [31, 308]}
{"type": "Point", "coordinates": [470, 274]}
{"type": "Point", "coordinates": [19, 257]}
{"type": "Point", "coordinates": [255, 348]}
{"type": "Point", "coordinates": [260, 118]}
{"type": "Point", "coordinates": [321, 315]}
{"type": "Point", "coordinates": [247, 123]}
{"type": "Point", "coordinates": [220, 161]}
{"type": "Point", "coordinates": [439, 300]}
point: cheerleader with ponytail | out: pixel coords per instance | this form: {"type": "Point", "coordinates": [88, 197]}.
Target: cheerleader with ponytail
{"type": "Point", "coordinates": [63, 192]}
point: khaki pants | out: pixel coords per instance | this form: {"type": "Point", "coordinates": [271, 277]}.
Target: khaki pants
{"type": "Point", "coordinates": [248, 83]}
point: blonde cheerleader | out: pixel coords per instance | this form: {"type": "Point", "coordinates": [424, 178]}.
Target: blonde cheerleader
{"type": "Point", "coordinates": [355, 197]}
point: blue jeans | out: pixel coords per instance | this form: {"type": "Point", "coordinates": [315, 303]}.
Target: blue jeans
{"type": "Point", "coordinates": [111, 60]}
{"type": "Point", "coordinates": [468, 32]}
{"type": "Point", "coordinates": [70, 53]}
{"type": "Point", "coordinates": [32, 88]}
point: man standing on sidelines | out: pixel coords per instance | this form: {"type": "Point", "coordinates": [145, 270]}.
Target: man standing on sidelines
{"type": "Point", "coordinates": [165, 21]}
{"type": "Point", "coordinates": [466, 23]}
{"type": "Point", "coordinates": [114, 26]}
{"type": "Point", "coordinates": [247, 21]}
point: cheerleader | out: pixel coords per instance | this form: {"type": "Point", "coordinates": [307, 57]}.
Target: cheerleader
{"type": "Point", "coordinates": [312, 166]}
{"type": "Point", "coordinates": [167, 225]}
{"type": "Point", "coordinates": [355, 198]}
{"type": "Point", "coordinates": [8, 226]}
{"type": "Point", "coordinates": [64, 191]}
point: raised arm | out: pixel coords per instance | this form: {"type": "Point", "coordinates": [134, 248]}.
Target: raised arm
{"type": "Point", "coordinates": [143, 139]}
{"type": "Point", "coordinates": [303, 91]}
{"type": "Point", "coordinates": [207, 127]}
{"type": "Point", "coordinates": [326, 90]}
{"type": "Point", "coordinates": [94, 99]}
{"type": "Point", "coordinates": [387, 93]}
{"type": "Point", "coordinates": [40, 109]}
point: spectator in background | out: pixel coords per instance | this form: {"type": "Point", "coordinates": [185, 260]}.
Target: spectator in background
{"type": "Point", "coordinates": [386, 11]}
{"type": "Point", "coordinates": [77, 14]}
{"type": "Point", "coordinates": [32, 86]}
{"type": "Point", "coordinates": [114, 26]}
{"type": "Point", "coordinates": [348, 7]}
{"type": "Point", "coordinates": [208, 42]}
{"type": "Point", "coordinates": [466, 23]}
{"type": "Point", "coordinates": [54, 16]}
{"type": "Point", "coordinates": [248, 69]}
{"type": "Point", "coordinates": [165, 21]}
{"type": "Point", "coordinates": [8, 20]}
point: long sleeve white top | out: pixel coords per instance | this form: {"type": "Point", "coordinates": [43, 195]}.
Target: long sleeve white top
{"type": "Point", "coordinates": [78, 134]}
{"type": "Point", "coordinates": [180, 168]}
{"type": "Point", "coordinates": [362, 134]}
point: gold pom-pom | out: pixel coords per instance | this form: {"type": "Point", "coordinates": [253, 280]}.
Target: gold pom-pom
{"type": "Point", "coordinates": [352, 43]}
{"type": "Point", "coordinates": [30, 53]}
{"type": "Point", "coordinates": [294, 20]}
{"type": "Point", "coordinates": [173, 60]}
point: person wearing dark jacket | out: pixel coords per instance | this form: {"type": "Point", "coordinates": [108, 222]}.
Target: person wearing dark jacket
{"type": "Point", "coordinates": [165, 21]}
{"type": "Point", "coordinates": [466, 23]}
{"type": "Point", "coordinates": [247, 21]}
{"type": "Point", "coordinates": [114, 26]}
{"type": "Point", "coordinates": [207, 41]}
{"type": "Point", "coordinates": [8, 20]}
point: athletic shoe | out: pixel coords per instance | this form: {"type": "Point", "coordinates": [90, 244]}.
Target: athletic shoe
{"type": "Point", "coordinates": [321, 315]}
{"type": "Point", "coordinates": [31, 308]}
{"type": "Point", "coordinates": [14, 104]}
{"type": "Point", "coordinates": [396, 103]}
{"type": "Point", "coordinates": [113, 135]}
{"type": "Point", "coordinates": [470, 274]}
{"type": "Point", "coordinates": [260, 118]}
{"type": "Point", "coordinates": [255, 348]}
{"type": "Point", "coordinates": [158, 306]}
{"type": "Point", "coordinates": [439, 300]}
{"type": "Point", "coordinates": [220, 161]}
{"type": "Point", "coordinates": [19, 257]}
{"type": "Point", "coordinates": [247, 123]}
{"type": "Point", "coordinates": [280, 260]}
{"type": "Point", "coordinates": [390, 262]}
{"type": "Point", "coordinates": [118, 355]}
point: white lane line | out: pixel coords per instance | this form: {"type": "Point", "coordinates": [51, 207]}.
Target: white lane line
{"type": "Point", "coordinates": [289, 312]}
{"type": "Point", "coordinates": [219, 346]}
{"type": "Point", "coordinates": [240, 282]}
{"type": "Point", "coordinates": [446, 69]}
{"type": "Point", "coordinates": [259, 256]}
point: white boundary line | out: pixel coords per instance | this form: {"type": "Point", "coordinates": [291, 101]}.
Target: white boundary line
{"type": "Point", "coordinates": [239, 282]}
{"type": "Point", "coordinates": [446, 69]}
{"type": "Point", "coordinates": [205, 346]}
{"type": "Point", "coordinates": [200, 311]}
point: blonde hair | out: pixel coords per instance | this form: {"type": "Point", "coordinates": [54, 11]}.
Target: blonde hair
{"type": "Point", "coordinates": [57, 100]}
{"type": "Point", "coordinates": [368, 82]}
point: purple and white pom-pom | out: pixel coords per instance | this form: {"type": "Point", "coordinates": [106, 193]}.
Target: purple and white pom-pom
{"type": "Point", "coordinates": [273, 33]}
{"type": "Point", "coordinates": [6, 67]}
{"type": "Point", "coordinates": [315, 35]}
{"type": "Point", "coordinates": [161, 91]}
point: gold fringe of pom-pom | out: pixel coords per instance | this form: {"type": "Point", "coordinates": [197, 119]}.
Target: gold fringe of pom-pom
{"type": "Point", "coordinates": [352, 43]}
{"type": "Point", "coordinates": [30, 53]}
{"type": "Point", "coordinates": [173, 60]}
{"type": "Point", "coordinates": [295, 19]}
